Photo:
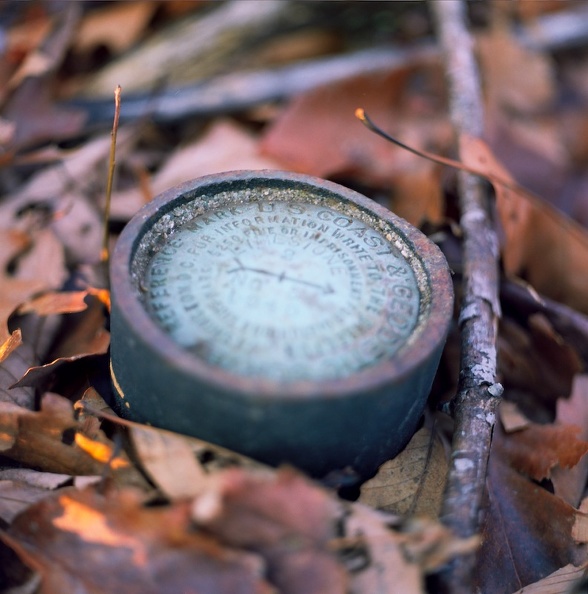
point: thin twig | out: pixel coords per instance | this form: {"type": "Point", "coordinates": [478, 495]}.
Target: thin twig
{"type": "Point", "coordinates": [104, 254]}
{"type": "Point", "coordinates": [476, 400]}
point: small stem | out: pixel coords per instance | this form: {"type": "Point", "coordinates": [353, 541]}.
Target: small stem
{"type": "Point", "coordinates": [104, 254]}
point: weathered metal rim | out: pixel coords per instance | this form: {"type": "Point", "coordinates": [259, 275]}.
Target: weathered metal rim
{"type": "Point", "coordinates": [403, 364]}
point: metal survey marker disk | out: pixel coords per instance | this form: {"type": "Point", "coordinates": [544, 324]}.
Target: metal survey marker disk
{"type": "Point", "coordinates": [279, 315]}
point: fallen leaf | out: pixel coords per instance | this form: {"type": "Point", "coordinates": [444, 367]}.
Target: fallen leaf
{"type": "Point", "coordinates": [386, 569]}
{"type": "Point", "coordinates": [10, 344]}
{"type": "Point", "coordinates": [512, 418]}
{"type": "Point", "coordinates": [534, 359]}
{"type": "Point", "coordinates": [31, 106]}
{"type": "Point", "coordinates": [11, 369]}
{"type": "Point", "coordinates": [571, 325]}
{"type": "Point", "coordinates": [15, 497]}
{"type": "Point", "coordinates": [155, 449]}
{"type": "Point", "coordinates": [413, 482]}
{"type": "Point", "coordinates": [225, 146]}
{"type": "Point", "coordinates": [398, 552]}
{"type": "Point", "coordinates": [210, 457]}
{"type": "Point", "coordinates": [188, 50]}
{"type": "Point", "coordinates": [285, 518]}
{"type": "Point", "coordinates": [541, 245]}
{"type": "Point", "coordinates": [580, 527]}
{"type": "Point", "coordinates": [569, 483]}
{"type": "Point", "coordinates": [20, 487]}
{"type": "Point", "coordinates": [83, 542]}
{"type": "Point", "coordinates": [515, 77]}
{"type": "Point", "coordinates": [117, 27]}
{"type": "Point", "coordinates": [317, 134]}
{"type": "Point", "coordinates": [44, 260]}
{"type": "Point", "coordinates": [53, 303]}
{"type": "Point", "coordinates": [516, 549]}
{"type": "Point", "coordinates": [535, 450]}
{"type": "Point", "coordinates": [14, 290]}
{"type": "Point", "coordinates": [561, 581]}
{"type": "Point", "coordinates": [46, 440]}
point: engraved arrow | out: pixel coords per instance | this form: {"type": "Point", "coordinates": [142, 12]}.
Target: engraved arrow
{"type": "Point", "coordinates": [282, 276]}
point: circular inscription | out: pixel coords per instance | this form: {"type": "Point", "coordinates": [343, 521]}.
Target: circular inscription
{"type": "Point", "coordinates": [283, 290]}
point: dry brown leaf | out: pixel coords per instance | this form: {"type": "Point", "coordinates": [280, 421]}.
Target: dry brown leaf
{"type": "Point", "coordinates": [537, 449]}
{"type": "Point", "coordinates": [188, 50]}
{"type": "Point", "coordinates": [569, 483]}
{"type": "Point", "coordinates": [40, 440]}
{"type": "Point", "coordinates": [387, 570]}
{"type": "Point", "coordinates": [559, 582]}
{"type": "Point", "coordinates": [536, 361]}
{"type": "Point", "coordinates": [413, 482]}
{"type": "Point", "coordinates": [84, 542]}
{"type": "Point", "coordinates": [15, 497]}
{"type": "Point", "coordinates": [431, 545]}
{"type": "Point", "coordinates": [44, 260]}
{"type": "Point", "coordinates": [541, 245]}
{"type": "Point", "coordinates": [54, 303]}
{"type": "Point", "coordinates": [225, 146]}
{"type": "Point", "coordinates": [317, 134]}
{"type": "Point", "coordinates": [580, 527]}
{"type": "Point", "coordinates": [20, 487]}
{"type": "Point", "coordinates": [63, 189]}
{"type": "Point", "coordinates": [515, 77]}
{"type": "Point", "coordinates": [526, 533]}
{"type": "Point", "coordinates": [10, 344]}
{"type": "Point", "coordinates": [169, 460]}
{"type": "Point", "coordinates": [13, 290]}
{"type": "Point", "coordinates": [297, 45]}
{"type": "Point", "coordinates": [284, 517]}
{"type": "Point", "coordinates": [210, 457]}
{"type": "Point", "coordinates": [11, 370]}
{"type": "Point", "coordinates": [512, 418]}
{"type": "Point", "coordinates": [117, 26]}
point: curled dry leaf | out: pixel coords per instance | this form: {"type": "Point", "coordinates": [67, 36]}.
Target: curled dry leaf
{"type": "Point", "coordinates": [53, 303]}
{"type": "Point", "coordinates": [413, 482]}
{"type": "Point", "coordinates": [51, 440]}
{"type": "Point", "coordinates": [10, 344]}
{"type": "Point", "coordinates": [11, 369]}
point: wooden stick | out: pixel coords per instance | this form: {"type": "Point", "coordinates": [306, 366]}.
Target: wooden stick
{"type": "Point", "coordinates": [104, 254]}
{"type": "Point", "coordinates": [477, 397]}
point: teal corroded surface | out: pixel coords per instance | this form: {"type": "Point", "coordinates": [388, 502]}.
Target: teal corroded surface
{"type": "Point", "coordinates": [283, 290]}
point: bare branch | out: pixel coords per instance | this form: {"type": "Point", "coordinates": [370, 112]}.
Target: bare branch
{"type": "Point", "coordinates": [476, 401]}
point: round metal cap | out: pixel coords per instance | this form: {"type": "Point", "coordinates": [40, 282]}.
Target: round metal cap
{"type": "Point", "coordinates": [278, 315]}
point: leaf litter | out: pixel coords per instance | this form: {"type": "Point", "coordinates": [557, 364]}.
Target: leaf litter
{"type": "Point", "coordinates": [119, 506]}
